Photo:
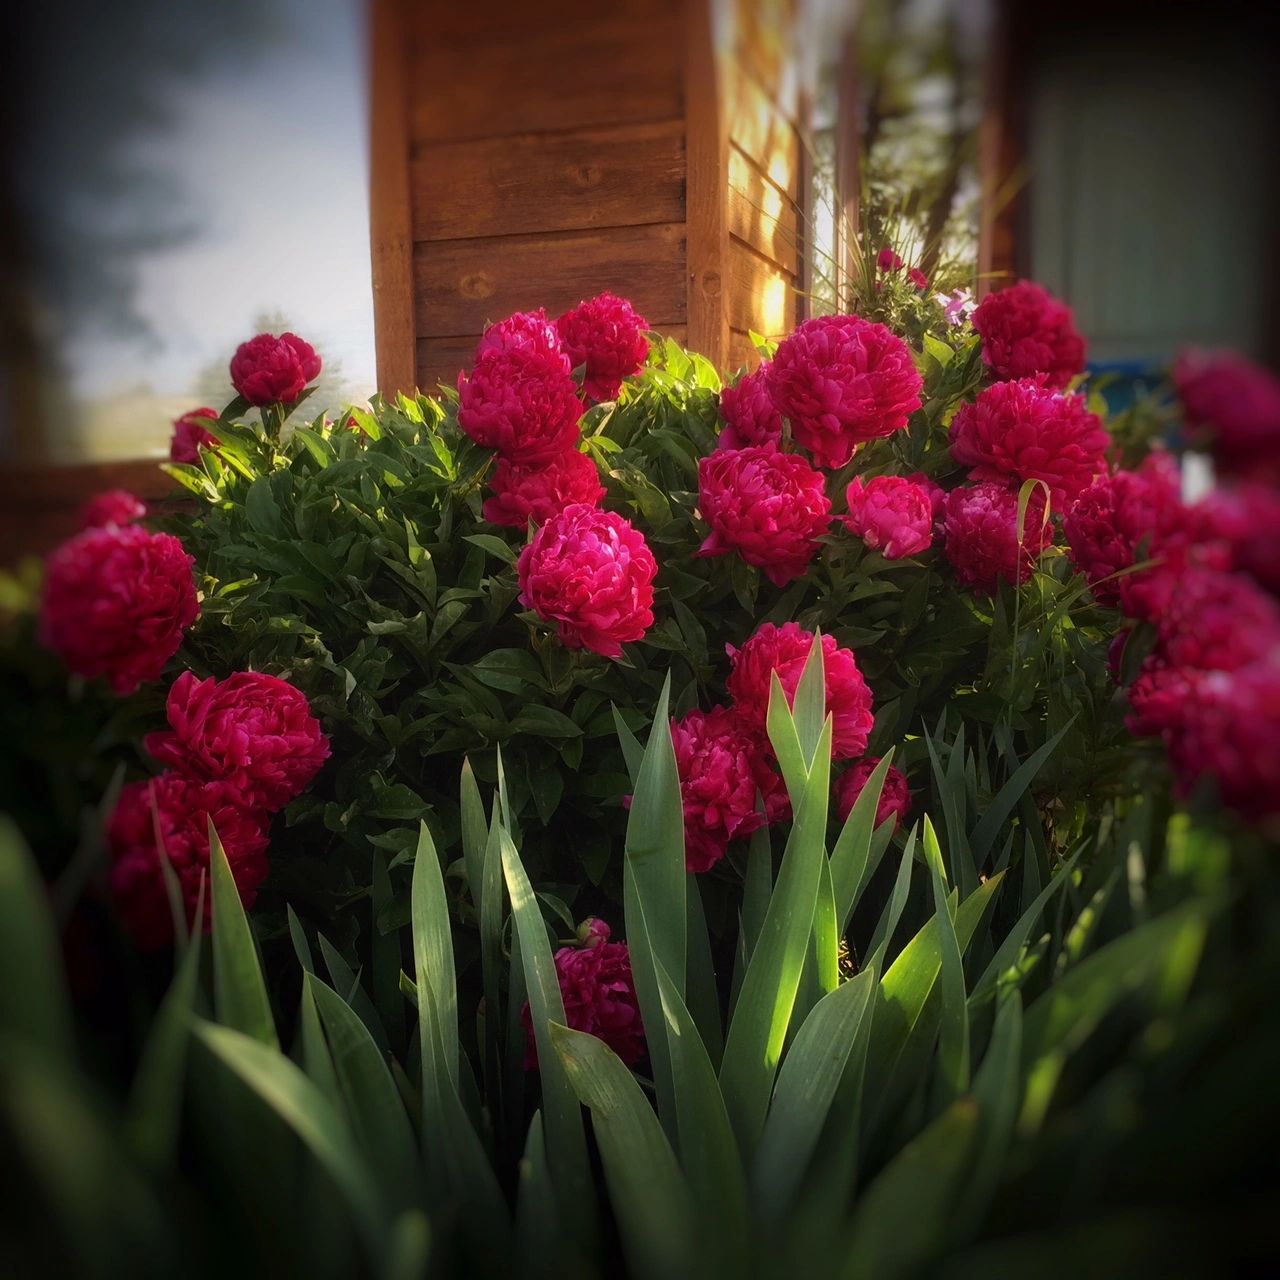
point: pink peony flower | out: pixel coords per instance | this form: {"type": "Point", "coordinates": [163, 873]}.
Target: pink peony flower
{"type": "Point", "coordinates": [189, 436]}
{"type": "Point", "coordinates": [592, 572]}
{"type": "Point", "coordinates": [521, 402]}
{"type": "Point", "coordinates": [180, 809]}
{"type": "Point", "coordinates": [1236, 404]}
{"type": "Point", "coordinates": [607, 335]}
{"type": "Point", "coordinates": [1247, 519]}
{"type": "Point", "coordinates": [1022, 430]}
{"type": "Point", "coordinates": [891, 514]}
{"type": "Point", "coordinates": [1025, 331]}
{"type": "Point", "coordinates": [253, 732]}
{"type": "Point", "coordinates": [842, 380]}
{"type": "Point", "coordinates": [271, 370]}
{"type": "Point", "coordinates": [117, 602]}
{"type": "Point", "coordinates": [1229, 729]}
{"type": "Point", "coordinates": [525, 330]}
{"type": "Point", "coordinates": [936, 494]}
{"type": "Point", "coordinates": [1216, 622]}
{"type": "Point", "coordinates": [750, 415]}
{"type": "Point", "coordinates": [599, 996]}
{"type": "Point", "coordinates": [1157, 699]}
{"type": "Point", "coordinates": [116, 506]}
{"type": "Point", "coordinates": [895, 797]}
{"type": "Point", "coordinates": [768, 506]}
{"type": "Point", "coordinates": [981, 530]}
{"type": "Point", "coordinates": [918, 278]}
{"type": "Point", "coordinates": [521, 494]}
{"type": "Point", "coordinates": [887, 260]}
{"type": "Point", "coordinates": [1122, 519]}
{"type": "Point", "coordinates": [722, 765]}
{"type": "Point", "coordinates": [785, 649]}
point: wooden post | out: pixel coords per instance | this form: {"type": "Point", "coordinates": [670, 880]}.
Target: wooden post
{"type": "Point", "coordinates": [390, 214]}
{"type": "Point", "coordinates": [1002, 167]}
{"type": "Point", "coordinates": [707, 185]}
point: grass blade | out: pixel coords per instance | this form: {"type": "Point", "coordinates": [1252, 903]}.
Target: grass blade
{"type": "Point", "coordinates": [851, 865]}
{"type": "Point", "coordinates": [433, 947]}
{"type": "Point", "coordinates": [953, 1044]}
{"type": "Point", "coordinates": [239, 992]}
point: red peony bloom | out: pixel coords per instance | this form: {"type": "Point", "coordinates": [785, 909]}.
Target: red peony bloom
{"type": "Point", "coordinates": [607, 335]}
{"type": "Point", "coordinates": [181, 809]}
{"type": "Point", "coordinates": [1236, 404]}
{"type": "Point", "coordinates": [592, 572]}
{"type": "Point", "coordinates": [1247, 519]}
{"type": "Point", "coordinates": [1022, 430]}
{"type": "Point", "coordinates": [1157, 700]}
{"type": "Point", "coordinates": [918, 278]}
{"type": "Point", "coordinates": [1216, 622]}
{"type": "Point", "coordinates": [599, 996]}
{"type": "Point", "coordinates": [887, 260]}
{"type": "Point", "coordinates": [785, 649]}
{"type": "Point", "coordinates": [750, 415]}
{"type": "Point", "coordinates": [842, 380]}
{"type": "Point", "coordinates": [768, 506]}
{"type": "Point", "coordinates": [1229, 728]}
{"type": "Point", "coordinates": [525, 330]}
{"type": "Point", "coordinates": [521, 494]}
{"type": "Point", "coordinates": [937, 495]}
{"type": "Point", "coordinates": [891, 514]}
{"type": "Point", "coordinates": [1122, 519]}
{"type": "Point", "coordinates": [521, 402]}
{"type": "Point", "coordinates": [271, 370]}
{"type": "Point", "coordinates": [722, 765]}
{"type": "Point", "coordinates": [895, 797]}
{"type": "Point", "coordinates": [116, 603]}
{"type": "Point", "coordinates": [981, 530]}
{"type": "Point", "coordinates": [253, 732]}
{"type": "Point", "coordinates": [1025, 331]}
{"type": "Point", "coordinates": [116, 506]}
{"type": "Point", "coordinates": [189, 436]}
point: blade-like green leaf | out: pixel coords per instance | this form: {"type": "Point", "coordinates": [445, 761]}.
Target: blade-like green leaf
{"type": "Point", "coordinates": [561, 1114]}
{"type": "Point", "coordinates": [239, 992]}
{"type": "Point", "coordinates": [302, 1106]}
{"type": "Point", "coordinates": [763, 1012]}
{"type": "Point", "coordinates": [632, 751]}
{"type": "Point", "coordinates": [806, 1086]}
{"type": "Point", "coordinates": [409, 1249]}
{"type": "Point", "coordinates": [33, 993]}
{"type": "Point", "coordinates": [893, 909]}
{"type": "Point", "coordinates": [475, 833]}
{"type": "Point", "coordinates": [346, 981]}
{"type": "Point", "coordinates": [155, 1099]}
{"type": "Point", "coordinates": [385, 955]}
{"type": "Point", "coordinates": [372, 1100]}
{"type": "Point", "coordinates": [904, 1215]}
{"type": "Point", "coordinates": [298, 936]}
{"type": "Point", "coordinates": [313, 1049]}
{"type": "Point", "coordinates": [1001, 806]}
{"type": "Point", "coordinates": [810, 707]}
{"type": "Point", "coordinates": [539, 1245]}
{"type": "Point", "coordinates": [1007, 953]}
{"type": "Point", "coordinates": [433, 946]}
{"type": "Point", "coordinates": [785, 740]}
{"type": "Point", "coordinates": [953, 1045]}
{"type": "Point", "coordinates": [646, 1188]}
{"type": "Point", "coordinates": [703, 995]}
{"type": "Point", "coordinates": [851, 865]}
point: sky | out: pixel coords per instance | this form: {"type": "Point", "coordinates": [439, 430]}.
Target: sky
{"type": "Point", "coordinates": [246, 134]}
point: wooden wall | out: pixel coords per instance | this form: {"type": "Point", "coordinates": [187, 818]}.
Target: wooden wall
{"type": "Point", "coordinates": [765, 107]}
{"type": "Point", "coordinates": [530, 156]}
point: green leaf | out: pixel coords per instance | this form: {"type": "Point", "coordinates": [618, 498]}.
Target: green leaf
{"type": "Point", "coordinates": [810, 706]}
{"type": "Point", "coordinates": [784, 737]}
{"type": "Point", "coordinates": [493, 545]}
{"type": "Point", "coordinates": [701, 991]}
{"type": "Point", "coordinates": [631, 748]}
{"type": "Point", "coordinates": [261, 509]}
{"type": "Point", "coordinates": [892, 913]}
{"type": "Point", "coordinates": [1001, 806]}
{"type": "Point", "coordinates": [433, 946]}
{"type": "Point", "coordinates": [33, 994]}
{"type": "Point", "coordinates": [539, 1243]}
{"type": "Point", "coordinates": [475, 833]}
{"type": "Point", "coordinates": [646, 1188]}
{"type": "Point", "coordinates": [545, 722]}
{"type": "Point", "coordinates": [305, 1109]}
{"type": "Point", "coordinates": [562, 1118]}
{"type": "Point", "coordinates": [806, 1087]}
{"type": "Point", "coordinates": [953, 1046]}
{"type": "Point", "coordinates": [239, 992]}
{"type": "Point", "coordinates": [346, 981]}
{"type": "Point", "coordinates": [372, 1100]}
{"type": "Point", "coordinates": [762, 1015]}
{"type": "Point", "coordinates": [902, 1219]}
{"type": "Point", "coordinates": [298, 936]}
{"type": "Point", "coordinates": [852, 865]}
{"type": "Point", "coordinates": [155, 1098]}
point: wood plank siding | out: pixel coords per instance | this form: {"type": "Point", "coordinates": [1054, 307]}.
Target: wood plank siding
{"type": "Point", "coordinates": [545, 154]}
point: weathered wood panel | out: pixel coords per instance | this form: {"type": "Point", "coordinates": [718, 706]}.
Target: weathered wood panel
{"type": "Point", "coordinates": [742, 351]}
{"type": "Point", "coordinates": [766, 44]}
{"type": "Point", "coordinates": [441, 359]}
{"type": "Point", "coordinates": [761, 214]}
{"type": "Point", "coordinates": [431, 22]}
{"type": "Point", "coordinates": [613, 177]}
{"type": "Point", "coordinates": [762, 132]}
{"type": "Point", "coordinates": [461, 286]}
{"type": "Point", "coordinates": [598, 71]}
{"type": "Point", "coordinates": [761, 296]}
